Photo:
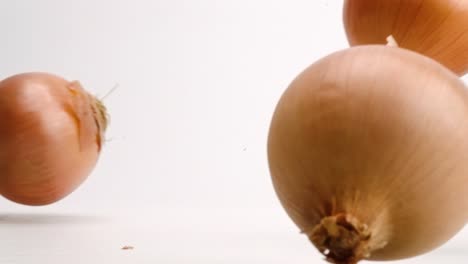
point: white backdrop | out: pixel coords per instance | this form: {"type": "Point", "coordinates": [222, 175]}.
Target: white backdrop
{"type": "Point", "coordinates": [186, 156]}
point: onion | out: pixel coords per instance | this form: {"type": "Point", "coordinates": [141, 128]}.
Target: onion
{"type": "Point", "coordinates": [51, 135]}
{"type": "Point", "coordinates": [368, 154]}
{"type": "Point", "coordinates": [435, 28]}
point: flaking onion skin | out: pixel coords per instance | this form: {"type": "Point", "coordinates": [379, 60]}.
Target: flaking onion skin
{"type": "Point", "coordinates": [368, 152]}
{"type": "Point", "coordinates": [51, 134]}
{"type": "Point", "coordinates": [435, 28]}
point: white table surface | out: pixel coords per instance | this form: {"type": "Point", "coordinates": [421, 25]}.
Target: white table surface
{"type": "Point", "coordinates": [169, 236]}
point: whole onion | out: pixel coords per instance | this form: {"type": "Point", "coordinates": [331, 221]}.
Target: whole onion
{"type": "Point", "coordinates": [368, 153]}
{"type": "Point", "coordinates": [51, 134]}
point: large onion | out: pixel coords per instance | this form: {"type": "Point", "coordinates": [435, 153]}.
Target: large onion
{"type": "Point", "coordinates": [51, 133]}
{"type": "Point", "coordinates": [368, 153]}
{"type": "Point", "coordinates": [435, 28]}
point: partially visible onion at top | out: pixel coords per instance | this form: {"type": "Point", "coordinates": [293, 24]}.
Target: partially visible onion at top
{"type": "Point", "coordinates": [368, 153]}
{"type": "Point", "coordinates": [435, 28]}
{"type": "Point", "coordinates": [51, 134]}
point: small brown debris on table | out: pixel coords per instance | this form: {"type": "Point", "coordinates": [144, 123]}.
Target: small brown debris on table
{"type": "Point", "coordinates": [127, 248]}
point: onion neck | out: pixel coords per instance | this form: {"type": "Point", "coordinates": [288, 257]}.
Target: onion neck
{"type": "Point", "coordinates": [101, 118]}
{"type": "Point", "coordinates": [391, 42]}
{"type": "Point", "coordinates": [343, 239]}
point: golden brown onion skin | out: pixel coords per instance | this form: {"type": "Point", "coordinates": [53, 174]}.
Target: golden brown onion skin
{"type": "Point", "coordinates": [50, 137]}
{"type": "Point", "coordinates": [380, 134]}
{"type": "Point", "coordinates": [435, 28]}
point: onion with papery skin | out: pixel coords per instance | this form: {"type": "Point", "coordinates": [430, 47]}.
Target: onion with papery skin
{"type": "Point", "coordinates": [435, 28]}
{"type": "Point", "coordinates": [368, 154]}
{"type": "Point", "coordinates": [51, 134]}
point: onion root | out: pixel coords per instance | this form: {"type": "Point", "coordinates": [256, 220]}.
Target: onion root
{"type": "Point", "coordinates": [342, 239]}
